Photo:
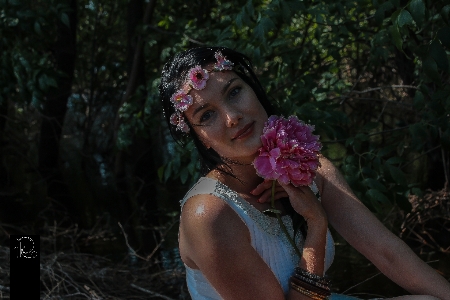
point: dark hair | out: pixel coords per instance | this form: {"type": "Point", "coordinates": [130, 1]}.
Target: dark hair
{"type": "Point", "coordinates": [173, 76]}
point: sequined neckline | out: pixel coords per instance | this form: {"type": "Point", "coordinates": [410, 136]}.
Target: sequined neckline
{"type": "Point", "coordinates": [267, 223]}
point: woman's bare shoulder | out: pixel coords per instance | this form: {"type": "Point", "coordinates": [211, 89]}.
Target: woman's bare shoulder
{"type": "Point", "coordinates": [207, 210]}
{"type": "Point", "coordinates": [328, 174]}
{"type": "Point", "coordinates": [209, 224]}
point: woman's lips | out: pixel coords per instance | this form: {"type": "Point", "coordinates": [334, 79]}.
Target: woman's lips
{"type": "Point", "coordinates": [244, 131]}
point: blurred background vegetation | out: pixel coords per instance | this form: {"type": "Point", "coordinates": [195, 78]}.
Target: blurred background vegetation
{"type": "Point", "coordinates": [83, 143]}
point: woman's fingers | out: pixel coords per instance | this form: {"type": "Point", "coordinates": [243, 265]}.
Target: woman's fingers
{"type": "Point", "coordinates": [305, 202]}
{"type": "Point", "coordinates": [302, 198]}
{"type": "Point", "coordinates": [302, 193]}
{"type": "Point", "coordinates": [267, 195]}
{"type": "Point", "coordinates": [262, 187]}
{"type": "Point", "coordinates": [264, 191]}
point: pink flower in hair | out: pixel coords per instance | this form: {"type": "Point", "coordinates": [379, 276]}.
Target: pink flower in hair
{"type": "Point", "coordinates": [289, 152]}
{"type": "Point", "coordinates": [198, 77]}
{"type": "Point", "coordinates": [181, 100]}
{"type": "Point", "coordinates": [222, 63]}
{"type": "Point", "coordinates": [183, 126]}
{"type": "Point", "coordinates": [177, 119]}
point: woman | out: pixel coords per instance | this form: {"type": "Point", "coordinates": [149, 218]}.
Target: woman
{"type": "Point", "coordinates": [230, 248]}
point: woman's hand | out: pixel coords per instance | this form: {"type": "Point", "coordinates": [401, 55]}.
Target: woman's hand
{"type": "Point", "coordinates": [264, 190]}
{"type": "Point", "coordinates": [302, 199]}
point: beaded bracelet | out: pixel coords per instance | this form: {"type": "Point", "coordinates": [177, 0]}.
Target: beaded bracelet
{"type": "Point", "coordinates": [312, 282]}
{"type": "Point", "coordinates": [308, 293]}
{"type": "Point", "coordinates": [310, 287]}
{"type": "Point", "coordinates": [312, 276]}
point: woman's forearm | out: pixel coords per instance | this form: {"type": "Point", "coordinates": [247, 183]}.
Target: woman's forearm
{"type": "Point", "coordinates": [313, 258]}
{"type": "Point", "coordinates": [405, 268]}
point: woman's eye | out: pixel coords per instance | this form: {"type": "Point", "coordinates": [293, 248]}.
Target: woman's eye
{"type": "Point", "coordinates": [234, 92]}
{"type": "Point", "coordinates": [206, 116]}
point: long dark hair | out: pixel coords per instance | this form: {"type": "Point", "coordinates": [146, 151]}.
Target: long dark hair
{"type": "Point", "coordinates": [173, 76]}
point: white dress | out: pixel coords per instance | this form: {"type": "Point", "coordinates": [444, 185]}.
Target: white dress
{"type": "Point", "coordinates": [266, 235]}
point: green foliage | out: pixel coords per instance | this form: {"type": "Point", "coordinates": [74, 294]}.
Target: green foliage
{"type": "Point", "coordinates": [369, 75]}
{"type": "Point", "coordinates": [27, 32]}
{"type": "Point", "coordinates": [372, 76]}
{"type": "Point", "coordinates": [181, 166]}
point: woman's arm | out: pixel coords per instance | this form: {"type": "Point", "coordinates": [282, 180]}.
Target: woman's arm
{"type": "Point", "coordinates": [215, 240]}
{"type": "Point", "coordinates": [368, 235]}
{"type": "Point", "coordinates": [306, 204]}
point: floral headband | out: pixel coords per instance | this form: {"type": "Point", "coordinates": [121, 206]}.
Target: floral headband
{"type": "Point", "coordinates": [196, 79]}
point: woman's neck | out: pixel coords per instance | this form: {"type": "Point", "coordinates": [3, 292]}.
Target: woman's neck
{"type": "Point", "coordinates": [242, 178]}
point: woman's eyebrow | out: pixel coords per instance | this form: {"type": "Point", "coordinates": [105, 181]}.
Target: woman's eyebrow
{"type": "Point", "coordinates": [201, 107]}
{"type": "Point", "coordinates": [227, 85]}
{"type": "Point", "coordinates": [223, 91]}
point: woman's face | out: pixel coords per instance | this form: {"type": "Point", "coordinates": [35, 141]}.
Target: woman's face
{"type": "Point", "coordinates": [228, 117]}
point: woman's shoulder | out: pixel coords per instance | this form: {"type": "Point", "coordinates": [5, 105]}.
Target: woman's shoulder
{"type": "Point", "coordinates": [205, 208]}
{"type": "Point", "coordinates": [208, 227]}
{"type": "Point", "coordinates": [328, 174]}
{"type": "Point", "coordinates": [210, 215]}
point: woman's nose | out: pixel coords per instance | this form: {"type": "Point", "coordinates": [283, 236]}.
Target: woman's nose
{"type": "Point", "coordinates": [232, 118]}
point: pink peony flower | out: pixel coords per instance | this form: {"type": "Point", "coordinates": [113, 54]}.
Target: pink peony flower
{"type": "Point", "coordinates": [222, 63]}
{"type": "Point", "coordinates": [198, 77]}
{"type": "Point", "coordinates": [289, 151]}
{"type": "Point", "coordinates": [181, 100]}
